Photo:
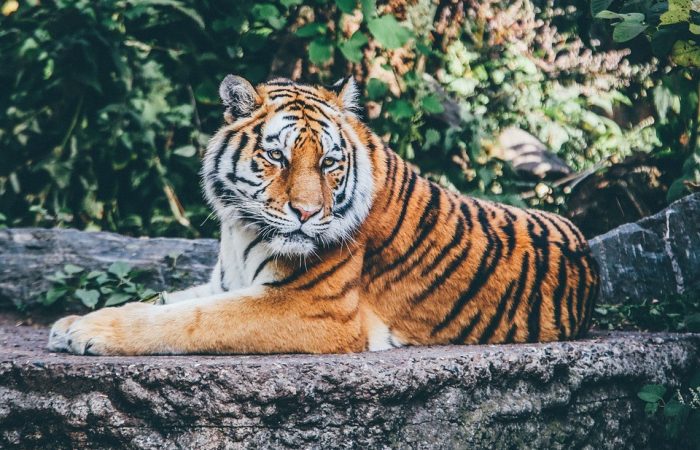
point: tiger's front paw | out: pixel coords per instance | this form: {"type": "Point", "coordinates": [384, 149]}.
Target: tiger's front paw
{"type": "Point", "coordinates": [103, 332]}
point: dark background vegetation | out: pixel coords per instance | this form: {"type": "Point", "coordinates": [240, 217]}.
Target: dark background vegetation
{"type": "Point", "coordinates": [106, 107]}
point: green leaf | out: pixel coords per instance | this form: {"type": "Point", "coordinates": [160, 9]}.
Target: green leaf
{"type": "Point", "coordinates": [352, 48]}
{"type": "Point", "coordinates": [120, 269]}
{"type": "Point", "coordinates": [607, 15]}
{"type": "Point", "coordinates": [147, 293]}
{"type": "Point", "coordinates": [652, 393]}
{"type": "Point", "coordinates": [347, 6]}
{"type": "Point", "coordinates": [376, 89]}
{"type": "Point", "coordinates": [432, 137]}
{"type": "Point", "coordinates": [289, 3]}
{"type": "Point", "coordinates": [320, 51]}
{"type": "Point", "coordinates": [54, 294]}
{"type": "Point", "coordinates": [678, 11]}
{"type": "Point", "coordinates": [627, 30]}
{"type": "Point", "coordinates": [388, 32]}
{"type": "Point", "coordinates": [400, 109]}
{"type": "Point", "coordinates": [267, 12]}
{"type": "Point", "coordinates": [686, 54]}
{"type": "Point", "coordinates": [89, 298]}
{"type": "Point", "coordinates": [186, 151]}
{"type": "Point", "coordinates": [663, 101]}
{"type": "Point", "coordinates": [94, 274]}
{"type": "Point", "coordinates": [369, 9]}
{"type": "Point", "coordinates": [117, 299]}
{"type": "Point", "coordinates": [599, 5]}
{"type": "Point", "coordinates": [431, 104]}
{"type": "Point", "coordinates": [72, 269]}
{"type": "Point", "coordinates": [634, 17]}
{"type": "Point", "coordinates": [651, 408]}
{"type": "Point", "coordinates": [178, 6]}
{"type": "Point", "coordinates": [311, 30]}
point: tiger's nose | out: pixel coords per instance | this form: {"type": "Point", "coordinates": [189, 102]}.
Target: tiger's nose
{"type": "Point", "coordinates": [304, 212]}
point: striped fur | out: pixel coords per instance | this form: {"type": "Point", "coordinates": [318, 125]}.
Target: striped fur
{"type": "Point", "coordinates": [387, 258]}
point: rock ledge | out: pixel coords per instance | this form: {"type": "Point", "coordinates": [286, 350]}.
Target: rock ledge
{"type": "Point", "coordinates": [559, 395]}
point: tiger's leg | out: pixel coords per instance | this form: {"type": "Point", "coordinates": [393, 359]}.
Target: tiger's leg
{"type": "Point", "coordinates": [252, 320]}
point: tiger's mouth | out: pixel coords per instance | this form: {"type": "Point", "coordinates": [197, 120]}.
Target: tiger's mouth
{"type": "Point", "coordinates": [292, 243]}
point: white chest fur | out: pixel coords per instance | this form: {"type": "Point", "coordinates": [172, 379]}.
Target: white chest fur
{"type": "Point", "coordinates": [244, 260]}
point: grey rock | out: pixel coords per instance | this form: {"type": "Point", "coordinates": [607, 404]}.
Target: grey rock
{"type": "Point", "coordinates": [29, 255]}
{"type": "Point", "coordinates": [561, 395]}
{"type": "Point", "coordinates": [655, 257]}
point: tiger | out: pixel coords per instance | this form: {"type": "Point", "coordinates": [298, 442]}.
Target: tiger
{"type": "Point", "coordinates": [331, 243]}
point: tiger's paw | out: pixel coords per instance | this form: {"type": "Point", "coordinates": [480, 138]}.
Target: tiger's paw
{"type": "Point", "coordinates": [101, 332]}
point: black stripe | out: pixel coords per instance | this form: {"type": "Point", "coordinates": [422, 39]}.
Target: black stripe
{"type": "Point", "coordinates": [295, 275]}
{"type": "Point", "coordinates": [222, 275]}
{"type": "Point", "coordinates": [341, 210]}
{"type": "Point", "coordinates": [392, 164]}
{"type": "Point", "coordinates": [509, 228]}
{"type": "Point", "coordinates": [487, 266]}
{"type": "Point", "coordinates": [411, 185]}
{"type": "Point", "coordinates": [558, 296]}
{"type": "Point", "coordinates": [593, 293]}
{"type": "Point", "coordinates": [580, 294]}
{"type": "Point", "coordinates": [511, 334]}
{"type": "Point", "coordinates": [261, 266]}
{"type": "Point", "coordinates": [498, 314]}
{"type": "Point", "coordinates": [440, 279]}
{"type": "Point", "coordinates": [347, 287]}
{"type": "Point", "coordinates": [456, 239]}
{"type": "Point", "coordinates": [324, 275]}
{"type": "Point", "coordinates": [541, 244]}
{"type": "Point", "coordinates": [426, 224]}
{"type": "Point", "coordinates": [570, 312]}
{"type": "Point", "coordinates": [250, 246]}
{"type": "Point", "coordinates": [234, 179]}
{"type": "Point", "coordinates": [428, 247]}
{"type": "Point", "coordinates": [520, 290]}
{"type": "Point", "coordinates": [467, 331]}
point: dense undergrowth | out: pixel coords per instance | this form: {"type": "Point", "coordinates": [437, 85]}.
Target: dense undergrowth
{"type": "Point", "coordinates": [108, 106]}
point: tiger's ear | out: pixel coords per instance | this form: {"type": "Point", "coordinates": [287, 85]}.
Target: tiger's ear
{"type": "Point", "coordinates": [348, 94]}
{"type": "Point", "coordinates": [238, 96]}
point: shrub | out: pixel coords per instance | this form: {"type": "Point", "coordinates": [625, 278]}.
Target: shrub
{"type": "Point", "coordinates": [110, 104]}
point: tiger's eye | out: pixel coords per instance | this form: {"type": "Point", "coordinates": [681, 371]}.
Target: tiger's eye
{"type": "Point", "coordinates": [328, 162]}
{"type": "Point", "coordinates": [275, 155]}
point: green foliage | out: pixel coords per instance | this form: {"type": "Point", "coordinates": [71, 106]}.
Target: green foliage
{"type": "Point", "coordinates": [95, 288]}
{"type": "Point", "coordinates": [679, 410]}
{"type": "Point", "coordinates": [679, 313]}
{"type": "Point", "coordinates": [672, 29]}
{"type": "Point", "coordinates": [109, 105]}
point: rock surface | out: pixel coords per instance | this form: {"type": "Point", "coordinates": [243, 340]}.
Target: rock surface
{"type": "Point", "coordinates": [561, 395]}
{"type": "Point", "coordinates": [29, 255]}
{"type": "Point", "coordinates": [652, 258]}
{"type": "Point", "coordinates": [655, 257]}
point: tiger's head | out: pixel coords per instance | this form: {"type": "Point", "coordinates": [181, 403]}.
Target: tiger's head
{"type": "Point", "coordinates": [290, 162]}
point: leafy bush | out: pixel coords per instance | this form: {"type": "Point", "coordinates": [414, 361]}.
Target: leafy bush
{"type": "Point", "coordinates": [679, 410]}
{"type": "Point", "coordinates": [679, 313]}
{"type": "Point", "coordinates": [109, 104]}
{"type": "Point", "coordinates": [672, 32]}
{"type": "Point", "coordinates": [95, 288]}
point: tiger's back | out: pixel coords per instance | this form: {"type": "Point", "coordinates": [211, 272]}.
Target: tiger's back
{"type": "Point", "coordinates": [445, 268]}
